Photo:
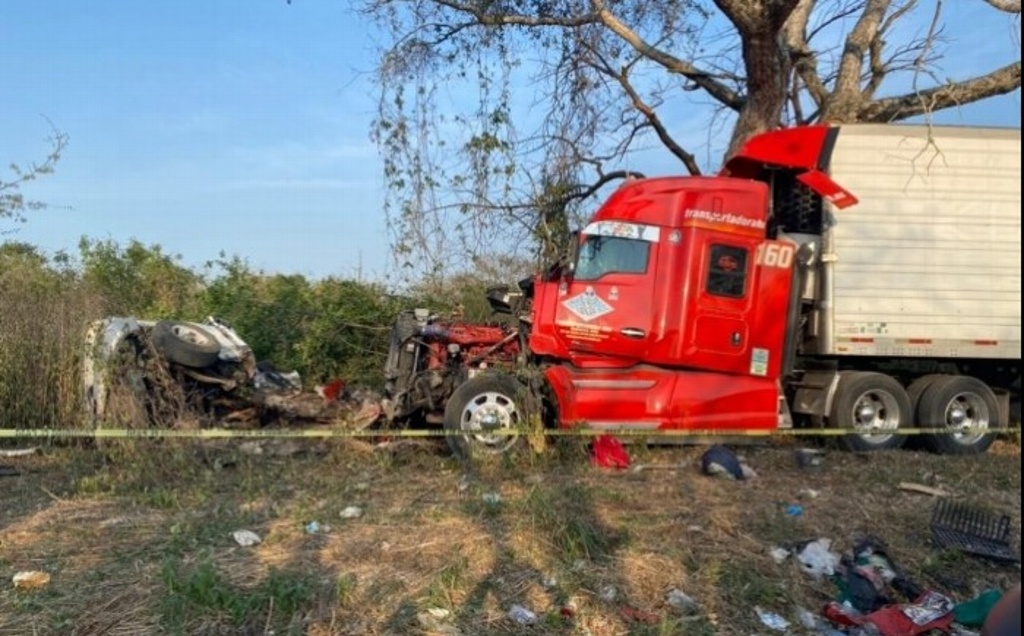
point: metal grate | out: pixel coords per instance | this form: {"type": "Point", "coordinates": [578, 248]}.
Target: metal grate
{"type": "Point", "coordinates": [973, 530]}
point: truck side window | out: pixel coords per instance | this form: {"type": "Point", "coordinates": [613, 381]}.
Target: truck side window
{"type": "Point", "coordinates": [727, 271]}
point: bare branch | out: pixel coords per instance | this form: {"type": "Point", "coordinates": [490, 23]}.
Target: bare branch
{"type": "Point", "coordinates": [1009, 6]}
{"type": "Point", "coordinates": [716, 89]}
{"type": "Point", "coordinates": [622, 78]}
{"type": "Point", "coordinates": [846, 92]}
{"type": "Point", "coordinates": [998, 82]}
{"type": "Point", "coordinates": [484, 18]}
{"type": "Point", "coordinates": [878, 67]}
{"type": "Point", "coordinates": [803, 59]}
{"type": "Point", "coordinates": [584, 192]}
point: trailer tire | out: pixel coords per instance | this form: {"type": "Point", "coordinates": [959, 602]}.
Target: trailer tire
{"type": "Point", "coordinates": [185, 343]}
{"type": "Point", "coordinates": [914, 391]}
{"type": "Point", "coordinates": [870, 402]}
{"type": "Point", "coordinates": [917, 389]}
{"type": "Point", "coordinates": [959, 403]}
{"type": "Point", "coordinates": [481, 404]}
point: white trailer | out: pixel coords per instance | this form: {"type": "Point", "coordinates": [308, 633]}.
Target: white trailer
{"type": "Point", "coordinates": [911, 299]}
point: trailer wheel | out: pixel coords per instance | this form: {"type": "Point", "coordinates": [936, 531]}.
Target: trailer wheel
{"type": "Point", "coordinates": [486, 411]}
{"type": "Point", "coordinates": [914, 392]}
{"type": "Point", "coordinates": [873, 403]}
{"type": "Point", "coordinates": [185, 343]}
{"type": "Point", "coordinates": [917, 389]}
{"type": "Point", "coordinates": [964, 405]}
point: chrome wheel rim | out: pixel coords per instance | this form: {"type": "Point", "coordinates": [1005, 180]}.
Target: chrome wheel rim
{"type": "Point", "coordinates": [487, 413]}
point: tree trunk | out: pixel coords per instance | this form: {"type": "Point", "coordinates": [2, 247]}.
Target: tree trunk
{"type": "Point", "coordinates": [765, 62]}
{"type": "Point", "coordinates": [760, 25]}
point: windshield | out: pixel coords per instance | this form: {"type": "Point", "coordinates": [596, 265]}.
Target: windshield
{"type": "Point", "coordinates": [600, 255]}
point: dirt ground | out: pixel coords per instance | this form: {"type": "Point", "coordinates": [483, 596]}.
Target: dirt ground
{"type": "Point", "coordinates": [137, 538]}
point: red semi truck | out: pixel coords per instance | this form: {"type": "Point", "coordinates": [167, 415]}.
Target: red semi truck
{"type": "Point", "coordinates": [858, 277]}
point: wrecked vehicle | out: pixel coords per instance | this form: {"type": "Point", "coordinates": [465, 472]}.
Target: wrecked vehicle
{"type": "Point", "coordinates": [763, 298]}
{"type": "Point", "coordinates": [766, 297]}
{"type": "Point", "coordinates": [167, 372]}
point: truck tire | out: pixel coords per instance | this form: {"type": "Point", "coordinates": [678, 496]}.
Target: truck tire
{"type": "Point", "coordinates": [185, 343]}
{"type": "Point", "coordinates": [479, 406]}
{"type": "Point", "coordinates": [914, 392]}
{"type": "Point", "coordinates": [917, 389]}
{"type": "Point", "coordinates": [963, 404]}
{"type": "Point", "coordinates": [874, 403]}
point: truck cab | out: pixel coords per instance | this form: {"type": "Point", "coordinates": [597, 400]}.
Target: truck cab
{"type": "Point", "coordinates": [674, 313]}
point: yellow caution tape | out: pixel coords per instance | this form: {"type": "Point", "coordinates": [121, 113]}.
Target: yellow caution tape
{"type": "Point", "coordinates": [325, 433]}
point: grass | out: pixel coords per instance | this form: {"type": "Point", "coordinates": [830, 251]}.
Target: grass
{"type": "Point", "coordinates": [199, 593]}
{"type": "Point", "coordinates": [138, 539]}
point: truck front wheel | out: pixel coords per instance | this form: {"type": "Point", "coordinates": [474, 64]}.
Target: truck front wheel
{"type": "Point", "coordinates": [873, 404]}
{"type": "Point", "coordinates": [483, 416]}
{"type": "Point", "coordinates": [967, 407]}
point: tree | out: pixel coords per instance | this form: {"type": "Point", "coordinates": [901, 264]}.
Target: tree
{"type": "Point", "coordinates": [13, 204]}
{"type": "Point", "coordinates": [609, 78]}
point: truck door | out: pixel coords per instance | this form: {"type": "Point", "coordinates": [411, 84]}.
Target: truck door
{"type": "Point", "coordinates": [605, 307]}
{"type": "Point", "coordinates": [738, 320]}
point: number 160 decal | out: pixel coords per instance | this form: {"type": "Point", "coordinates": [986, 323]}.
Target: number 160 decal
{"type": "Point", "coordinates": [775, 255]}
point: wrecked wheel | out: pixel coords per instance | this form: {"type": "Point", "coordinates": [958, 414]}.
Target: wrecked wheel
{"type": "Point", "coordinates": [185, 343]}
{"type": "Point", "coordinates": [486, 410]}
{"type": "Point", "coordinates": [967, 407]}
{"type": "Point", "coordinates": [874, 405]}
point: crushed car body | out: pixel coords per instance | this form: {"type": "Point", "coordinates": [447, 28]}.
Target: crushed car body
{"type": "Point", "coordinates": [169, 373]}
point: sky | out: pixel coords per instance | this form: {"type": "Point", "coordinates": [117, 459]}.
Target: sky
{"type": "Point", "coordinates": [243, 128]}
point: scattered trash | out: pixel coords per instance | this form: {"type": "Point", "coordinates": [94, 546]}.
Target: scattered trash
{"type": "Point", "coordinates": [608, 452]}
{"type": "Point", "coordinates": [569, 609]}
{"type": "Point", "coordinates": [772, 620]}
{"type": "Point", "coordinates": [809, 458]}
{"type": "Point", "coordinates": [681, 601]}
{"type": "Point", "coordinates": [820, 626]}
{"type": "Point", "coordinates": [608, 593]}
{"type": "Point", "coordinates": [808, 493]}
{"type": "Point", "coordinates": [817, 558]}
{"type": "Point", "coordinates": [331, 391]}
{"type": "Point", "coordinates": [929, 608]}
{"type": "Point", "coordinates": [930, 611]}
{"type": "Point", "coordinates": [921, 488]}
{"type": "Point", "coordinates": [972, 530]}
{"type": "Point", "coordinates": [794, 510]}
{"type": "Point", "coordinates": [549, 582]}
{"type": "Point", "coordinates": [492, 498]}
{"type": "Point", "coordinates": [351, 512]}
{"type": "Point", "coordinates": [865, 575]}
{"type": "Point", "coordinates": [864, 579]}
{"type": "Point", "coordinates": [779, 554]}
{"type": "Point", "coordinates": [719, 461]}
{"type": "Point", "coordinates": [435, 620]}
{"type": "Point", "coordinates": [269, 378]}
{"type": "Point", "coordinates": [521, 615]}
{"type": "Point", "coordinates": [315, 527]}
{"type": "Point", "coordinates": [246, 538]}
{"type": "Point", "coordinates": [638, 615]}
{"type": "Point", "coordinates": [18, 452]}
{"type": "Point", "coordinates": [973, 613]}
{"type": "Point", "coordinates": [695, 528]}
{"type": "Point", "coordinates": [637, 468]}
{"type": "Point", "coordinates": [31, 580]}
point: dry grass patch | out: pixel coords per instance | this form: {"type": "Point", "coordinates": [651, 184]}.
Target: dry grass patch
{"type": "Point", "coordinates": [140, 542]}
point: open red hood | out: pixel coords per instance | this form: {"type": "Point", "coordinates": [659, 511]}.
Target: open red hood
{"type": "Point", "coordinates": [805, 149]}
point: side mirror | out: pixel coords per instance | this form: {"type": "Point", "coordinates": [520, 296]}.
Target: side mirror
{"type": "Point", "coordinates": [572, 251]}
